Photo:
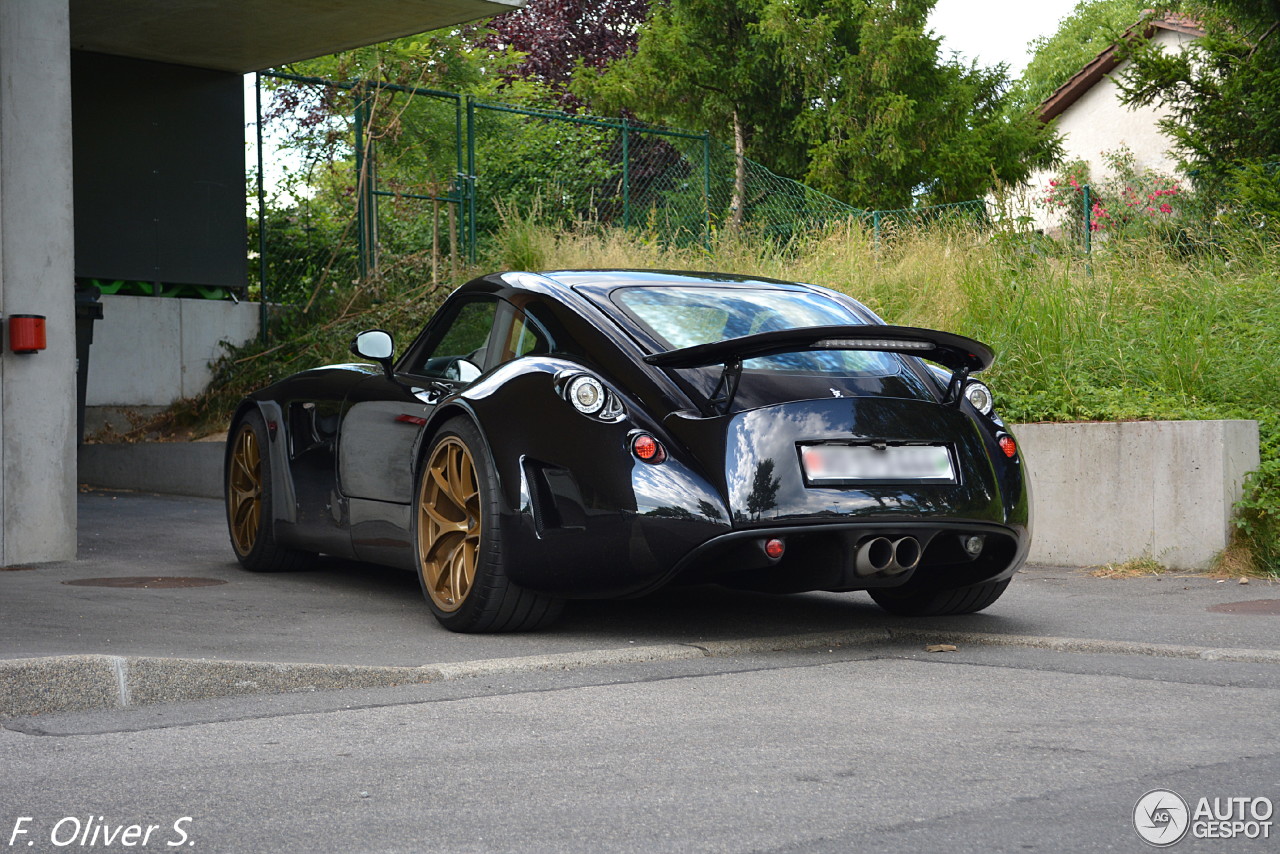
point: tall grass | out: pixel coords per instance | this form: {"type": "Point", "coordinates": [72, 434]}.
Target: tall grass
{"type": "Point", "coordinates": [1135, 332]}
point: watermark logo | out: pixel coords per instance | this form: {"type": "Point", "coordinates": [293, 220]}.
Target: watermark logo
{"type": "Point", "coordinates": [1161, 817]}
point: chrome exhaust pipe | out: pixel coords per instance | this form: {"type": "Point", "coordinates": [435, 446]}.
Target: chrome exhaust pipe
{"type": "Point", "coordinates": [874, 555]}
{"type": "Point", "coordinates": [906, 553]}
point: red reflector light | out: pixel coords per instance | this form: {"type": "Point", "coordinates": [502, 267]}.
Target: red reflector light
{"type": "Point", "coordinates": [648, 449]}
{"type": "Point", "coordinates": [774, 548]}
{"type": "Point", "coordinates": [1007, 445]}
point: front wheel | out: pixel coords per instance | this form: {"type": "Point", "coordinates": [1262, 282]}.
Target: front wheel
{"type": "Point", "coordinates": [937, 603]}
{"type": "Point", "coordinates": [458, 541]}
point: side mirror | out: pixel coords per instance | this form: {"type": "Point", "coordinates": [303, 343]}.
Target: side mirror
{"type": "Point", "coordinates": [376, 345]}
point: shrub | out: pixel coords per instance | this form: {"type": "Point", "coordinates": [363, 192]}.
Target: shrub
{"type": "Point", "coordinates": [1132, 201]}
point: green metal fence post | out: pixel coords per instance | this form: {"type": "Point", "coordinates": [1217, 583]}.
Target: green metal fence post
{"type": "Point", "coordinates": [458, 146]}
{"type": "Point", "coordinates": [1088, 225]}
{"type": "Point", "coordinates": [459, 143]}
{"type": "Point", "coordinates": [875, 229]}
{"type": "Point", "coordinates": [262, 216]}
{"type": "Point", "coordinates": [706, 188]}
{"type": "Point", "coordinates": [471, 181]}
{"type": "Point", "coordinates": [626, 173]}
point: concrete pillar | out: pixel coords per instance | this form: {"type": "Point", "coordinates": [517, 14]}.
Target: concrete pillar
{"type": "Point", "coordinates": [37, 392]}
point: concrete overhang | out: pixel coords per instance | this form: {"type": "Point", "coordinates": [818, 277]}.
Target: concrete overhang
{"type": "Point", "coordinates": [250, 35]}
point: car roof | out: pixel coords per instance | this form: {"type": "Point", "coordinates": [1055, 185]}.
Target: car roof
{"type": "Point", "coordinates": [682, 278]}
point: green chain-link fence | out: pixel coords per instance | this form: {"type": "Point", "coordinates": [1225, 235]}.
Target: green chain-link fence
{"type": "Point", "coordinates": [379, 180]}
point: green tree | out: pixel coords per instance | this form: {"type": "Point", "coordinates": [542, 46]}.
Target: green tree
{"type": "Point", "coordinates": [891, 123]}
{"type": "Point", "coordinates": [1092, 27]}
{"type": "Point", "coordinates": [849, 95]}
{"type": "Point", "coordinates": [1222, 94]}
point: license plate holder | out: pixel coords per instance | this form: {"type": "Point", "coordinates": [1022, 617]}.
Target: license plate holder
{"type": "Point", "coordinates": [866, 463]}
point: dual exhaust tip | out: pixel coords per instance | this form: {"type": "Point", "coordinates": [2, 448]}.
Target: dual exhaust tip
{"type": "Point", "coordinates": [883, 555]}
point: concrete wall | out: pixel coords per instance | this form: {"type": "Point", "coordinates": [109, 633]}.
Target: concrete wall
{"type": "Point", "coordinates": [150, 351]}
{"type": "Point", "coordinates": [1109, 492]}
{"type": "Point", "coordinates": [169, 468]}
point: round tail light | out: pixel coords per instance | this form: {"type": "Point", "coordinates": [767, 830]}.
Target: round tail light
{"type": "Point", "coordinates": [774, 548]}
{"type": "Point", "coordinates": [648, 449]}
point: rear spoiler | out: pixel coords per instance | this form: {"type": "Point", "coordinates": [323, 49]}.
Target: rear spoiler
{"type": "Point", "coordinates": [962, 355]}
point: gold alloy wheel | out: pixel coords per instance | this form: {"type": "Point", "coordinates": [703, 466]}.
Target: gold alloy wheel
{"type": "Point", "coordinates": [449, 524]}
{"type": "Point", "coordinates": [244, 490]}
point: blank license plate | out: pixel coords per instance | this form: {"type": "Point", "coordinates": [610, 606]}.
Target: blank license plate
{"type": "Point", "coordinates": [867, 463]}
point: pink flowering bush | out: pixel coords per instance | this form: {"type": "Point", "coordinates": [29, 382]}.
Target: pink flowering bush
{"type": "Point", "coordinates": [1065, 194]}
{"type": "Point", "coordinates": [1132, 200]}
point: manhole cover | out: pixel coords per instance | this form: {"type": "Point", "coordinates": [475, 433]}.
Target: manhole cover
{"type": "Point", "coordinates": [1267, 607]}
{"type": "Point", "coordinates": [146, 581]}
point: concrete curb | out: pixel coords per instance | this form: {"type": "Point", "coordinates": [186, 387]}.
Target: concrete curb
{"type": "Point", "coordinates": [1084, 645]}
{"type": "Point", "coordinates": [37, 686]}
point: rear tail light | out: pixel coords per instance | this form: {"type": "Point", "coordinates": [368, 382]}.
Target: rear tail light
{"type": "Point", "coordinates": [774, 548]}
{"type": "Point", "coordinates": [1006, 443]}
{"type": "Point", "coordinates": [648, 449]}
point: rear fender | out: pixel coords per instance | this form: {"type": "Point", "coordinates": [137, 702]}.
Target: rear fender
{"type": "Point", "coordinates": [580, 512]}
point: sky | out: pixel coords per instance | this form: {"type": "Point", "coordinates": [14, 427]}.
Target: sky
{"type": "Point", "coordinates": [994, 31]}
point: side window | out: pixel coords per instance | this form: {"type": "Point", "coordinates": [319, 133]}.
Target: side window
{"type": "Point", "coordinates": [482, 333]}
{"type": "Point", "coordinates": [522, 337]}
{"type": "Point", "coordinates": [460, 354]}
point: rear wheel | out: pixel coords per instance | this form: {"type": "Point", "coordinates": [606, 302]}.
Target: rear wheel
{"type": "Point", "coordinates": [458, 541]}
{"type": "Point", "coordinates": [936, 603]}
{"type": "Point", "coordinates": [248, 499]}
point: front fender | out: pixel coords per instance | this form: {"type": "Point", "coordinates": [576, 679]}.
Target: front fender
{"type": "Point", "coordinates": [284, 502]}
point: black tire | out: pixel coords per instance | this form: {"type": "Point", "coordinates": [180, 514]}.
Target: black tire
{"type": "Point", "coordinates": [247, 494]}
{"type": "Point", "coordinates": [458, 546]}
{"type": "Point", "coordinates": [937, 603]}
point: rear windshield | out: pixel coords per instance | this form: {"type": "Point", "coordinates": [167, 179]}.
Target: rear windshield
{"type": "Point", "coordinates": [683, 317]}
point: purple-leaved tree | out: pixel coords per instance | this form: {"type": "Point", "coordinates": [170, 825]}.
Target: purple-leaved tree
{"type": "Point", "coordinates": [556, 36]}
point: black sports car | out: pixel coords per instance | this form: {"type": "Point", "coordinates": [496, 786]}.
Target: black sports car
{"type": "Point", "coordinates": [592, 434]}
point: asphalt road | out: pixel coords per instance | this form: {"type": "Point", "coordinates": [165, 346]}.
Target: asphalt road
{"type": "Point", "coordinates": [982, 750]}
{"type": "Point", "coordinates": [698, 720]}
